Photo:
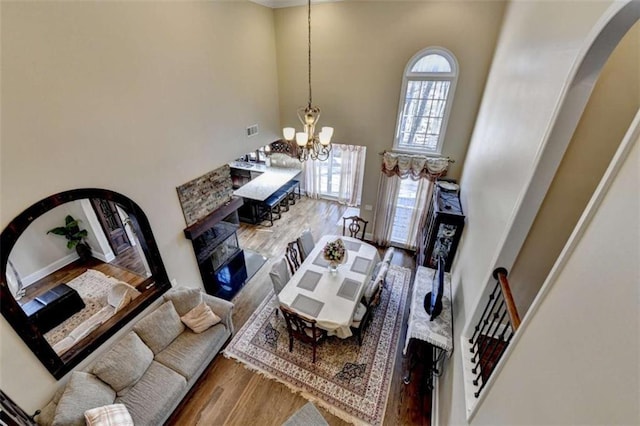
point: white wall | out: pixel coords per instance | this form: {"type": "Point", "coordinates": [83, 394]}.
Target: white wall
{"type": "Point", "coordinates": [37, 254]}
{"type": "Point", "coordinates": [538, 46]}
{"type": "Point", "coordinates": [359, 52]}
{"type": "Point", "coordinates": [611, 108]}
{"type": "Point", "coordinates": [586, 370]}
{"type": "Point", "coordinates": [135, 97]}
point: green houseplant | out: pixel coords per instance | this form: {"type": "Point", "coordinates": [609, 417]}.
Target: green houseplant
{"type": "Point", "coordinates": [74, 235]}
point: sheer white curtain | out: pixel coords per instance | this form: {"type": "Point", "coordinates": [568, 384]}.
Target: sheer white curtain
{"type": "Point", "coordinates": [419, 213]}
{"type": "Point", "coordinates": [385, 214]}
{"type": "Point", "coordinates": [312, 178]}
{"type": "Point", "coordinates": [351, 173]}
{"type": "Point", "coordinates": [339, 177]}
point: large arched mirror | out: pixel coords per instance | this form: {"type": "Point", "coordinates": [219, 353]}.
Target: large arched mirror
{"type": "Point", "coordinates": [76, 267]}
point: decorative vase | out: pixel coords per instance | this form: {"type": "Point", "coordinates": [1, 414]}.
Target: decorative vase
{"type": "Point", "coordinates": [333, 267]}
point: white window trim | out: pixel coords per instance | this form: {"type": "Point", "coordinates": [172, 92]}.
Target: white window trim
{"type": "Point", "coordinates": [418, 76]}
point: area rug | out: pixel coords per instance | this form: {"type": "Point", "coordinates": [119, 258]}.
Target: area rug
{"type": "Point", "coordinates": [93, 287]}
{"type": "Point", "coordinates": [349, 380]}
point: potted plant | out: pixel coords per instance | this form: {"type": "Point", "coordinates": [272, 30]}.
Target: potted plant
{"type": "Point", "coordinates": [74, 235]}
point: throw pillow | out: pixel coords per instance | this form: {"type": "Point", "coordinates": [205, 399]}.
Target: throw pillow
{"type": "Point", "coordinates": [124, 364]}
{"type": "Point", "coordinates": [108, 415]}
{"type": "Point", "coordinates": [118, 292]}
{"type": "Point", "coordinates": [184, 299]}
{"type": "Point", "coordinates": [200, 318]}
{"type": "Point", "coordinates": [127, 297]}
{"type": "Point", "coordinates": [160, 327]}
{"type": "Point", "coordinates": [82, 392]}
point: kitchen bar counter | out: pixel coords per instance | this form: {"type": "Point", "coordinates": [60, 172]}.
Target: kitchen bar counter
{"type": "Point", "coordinates": [260, 188]}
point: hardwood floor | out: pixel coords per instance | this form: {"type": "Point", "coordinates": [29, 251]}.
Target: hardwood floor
{"type": "Point", "coordinates": [73, 270]}
{"type": "Point", "coordinates": [229, 394]}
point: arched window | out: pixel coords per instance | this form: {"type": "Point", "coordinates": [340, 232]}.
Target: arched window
{"type": "Point", "coordinates": [428, 86]}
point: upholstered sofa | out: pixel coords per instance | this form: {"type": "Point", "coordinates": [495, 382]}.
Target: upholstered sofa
{"type": "Point", "coordinates": [152, 367]}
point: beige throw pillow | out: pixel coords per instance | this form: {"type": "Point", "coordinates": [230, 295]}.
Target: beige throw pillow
{"type": "Point", "coordinates": [160, 328]}
{"type": "Point", "coordinates": [82, 392]}
{"type": "Point", "coordinates": [200, 318]}
{"type": "Point", "coordinates": [109, 415]}
{"type": "Point", "coordinates": [119, 292]}
{"type": "Point", "coordinates": [184, 299]}
{"type": "Point", "coordinates": [124, 364]}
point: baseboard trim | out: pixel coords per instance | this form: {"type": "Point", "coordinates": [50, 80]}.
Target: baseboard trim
{"type": "Point", "coordinates": [49, 269]}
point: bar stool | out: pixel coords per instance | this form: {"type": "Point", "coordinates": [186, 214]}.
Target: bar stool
{"type": "Point", "coordinates": [272, 205]}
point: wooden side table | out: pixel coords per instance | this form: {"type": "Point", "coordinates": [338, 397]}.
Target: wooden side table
{"type": "Point", "coordinates": [438, 334]}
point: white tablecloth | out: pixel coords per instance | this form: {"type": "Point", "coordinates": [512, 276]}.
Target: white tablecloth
{"type": "Point", "coordinates": [331, 299]}
{"type": "Point", "coordinates": [439, 331]}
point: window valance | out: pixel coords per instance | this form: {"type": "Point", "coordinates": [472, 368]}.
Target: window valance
{"type": "Point", "coordinates": [414, 166]}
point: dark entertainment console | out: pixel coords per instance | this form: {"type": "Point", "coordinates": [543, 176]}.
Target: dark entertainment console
{"type": "Point", "coordinates": [443, 229]}
{"type": "Point", "coordinates": [220, 258]}
{"type": "Point", "coordinates": [53, 307]}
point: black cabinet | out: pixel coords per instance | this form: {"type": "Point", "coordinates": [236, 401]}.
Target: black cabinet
{"type": "Point", "coordinates": [441, 234]}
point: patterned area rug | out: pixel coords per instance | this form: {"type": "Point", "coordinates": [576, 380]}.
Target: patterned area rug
{"type": "Point", "coordinates": [93, 287]}
{"type": "Point", "coordinates": [348, 380]}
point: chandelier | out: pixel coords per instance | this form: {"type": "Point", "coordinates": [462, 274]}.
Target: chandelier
{"type": "Point", "coordinates": [310, 145]}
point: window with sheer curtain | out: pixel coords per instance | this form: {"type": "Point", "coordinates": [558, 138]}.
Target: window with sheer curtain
{"type": "Point", "coordinates": [426, 96]}
{"type": "Point", "coordinates": [339, 177]}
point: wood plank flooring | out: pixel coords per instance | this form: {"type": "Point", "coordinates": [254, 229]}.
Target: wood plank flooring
{"type": "Point", "coordinates": [229, 394]}
{"type": "Point", "coordinates": [77, 268]}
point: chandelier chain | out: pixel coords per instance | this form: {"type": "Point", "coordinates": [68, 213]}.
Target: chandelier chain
{"type": "Point", "coordinates": [309, 46]}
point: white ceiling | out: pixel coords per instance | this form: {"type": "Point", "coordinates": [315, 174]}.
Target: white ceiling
{"type": "Point", "coordinates": [274, 4]}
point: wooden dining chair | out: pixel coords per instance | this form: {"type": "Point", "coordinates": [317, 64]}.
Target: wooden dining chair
{"type": "Point", "coordinates": [357, 225]}
{"type": "Point", "coordinates": [303, 329]}
{"type": "Point", "coordinates": [292, 256]}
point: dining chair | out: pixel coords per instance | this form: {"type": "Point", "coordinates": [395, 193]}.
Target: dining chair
{"type": "Point", "coordinates": [292, 256]}
{"type": "Point", "coordinates": [305, 244]}
{"type": "Point", "coordinates": [279, 275]}
{"type": "Point", "coordinates": [303, 329]}
{"type": "Point", "coordinates": [376, 282]}
{"type": "Point", "coordinates": [364, 314]}
{"type": "Point", "coordinates": [356, 225]}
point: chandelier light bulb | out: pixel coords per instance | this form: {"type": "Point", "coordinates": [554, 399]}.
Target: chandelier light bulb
{"type": "Point", "coordinates": [328, 131]}
{"type": "Point", "coordinates": [301, 138]}
{"type": "Point", "coordinates": [325, 138]}
{"type": "Point", "coordinates": [289, 133]}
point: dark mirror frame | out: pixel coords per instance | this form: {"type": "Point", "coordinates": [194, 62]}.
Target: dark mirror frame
{"type": "Point", "coordinates": [157, 284]}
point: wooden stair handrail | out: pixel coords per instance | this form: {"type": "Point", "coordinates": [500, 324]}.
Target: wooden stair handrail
{"type": "Point", "coordinates": [501, 275]}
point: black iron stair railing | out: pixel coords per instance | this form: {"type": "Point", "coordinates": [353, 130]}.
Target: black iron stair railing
{"type": "Point", "coordinates": [493, 332]}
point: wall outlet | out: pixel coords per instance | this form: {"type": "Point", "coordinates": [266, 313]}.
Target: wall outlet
{"type": "Point", "coordinates": [252, 130]}
{"type": "Point", "coordinates": [174, 283]}
{"type": "Point", "coordinates": [368, 207]}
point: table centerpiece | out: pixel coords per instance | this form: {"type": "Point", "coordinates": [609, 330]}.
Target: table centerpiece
{"type": "Point", "coordinates": [335, 253]}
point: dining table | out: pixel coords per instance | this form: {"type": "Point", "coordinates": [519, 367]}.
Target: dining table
{"type": "Point", "coordinates": [331, 297]}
